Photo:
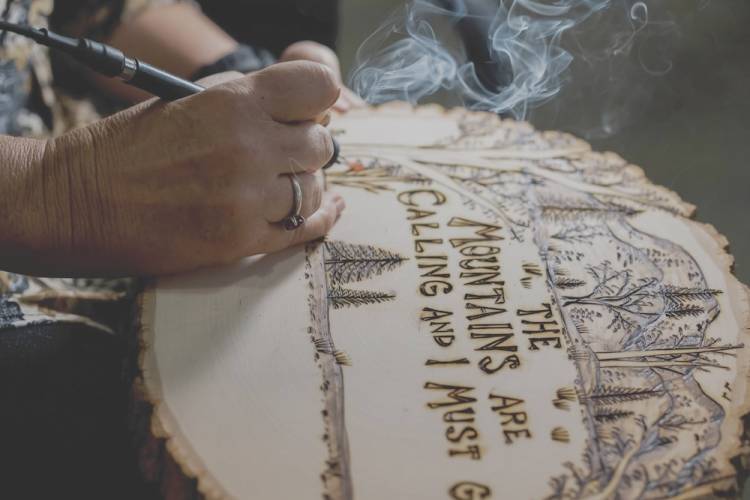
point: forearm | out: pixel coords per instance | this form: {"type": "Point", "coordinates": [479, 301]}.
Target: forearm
{"type": "Point", "coordinates": [175, 37]}
{"type": "Point", "coordinates": [51, 224]}
{"type": "Point", "coordinates": [56, 197]}
{"type": "Point", "coordinates": [26, 223]}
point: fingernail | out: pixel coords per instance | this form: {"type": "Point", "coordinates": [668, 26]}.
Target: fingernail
{"type": "Point", "coordinates": [340, 203]}
{"type": "Point", "coordinates": [336, 152]}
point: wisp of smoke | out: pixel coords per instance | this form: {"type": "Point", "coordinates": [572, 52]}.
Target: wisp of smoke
{"type": "Point", "coordinates": [522, 58]}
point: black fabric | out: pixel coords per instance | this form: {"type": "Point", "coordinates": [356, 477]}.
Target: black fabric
{"type": "Point", "coordinates": [63, 416]}
{"type": "Point", "coordinates": [245, 59]}
{"type": "Point", "coordinates": [90, 18]}
{"type": "Point", "coordinates": [276, 24]}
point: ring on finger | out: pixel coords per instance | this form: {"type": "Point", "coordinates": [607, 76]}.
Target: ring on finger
{"type": "Point", "coordinates": [295, 218]}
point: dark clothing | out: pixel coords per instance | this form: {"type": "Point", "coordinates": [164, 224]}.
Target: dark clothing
{"type": "Point", "coordinates": [276, 24]}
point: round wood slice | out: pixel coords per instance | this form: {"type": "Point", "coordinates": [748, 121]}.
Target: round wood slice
{"type": "Point", "coordinates": [499, 313]}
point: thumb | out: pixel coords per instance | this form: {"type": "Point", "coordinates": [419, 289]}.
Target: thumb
{"type": "Point", "coordinates": [295, 91]}
{"type": "Point", "coordinates": [219, 78]}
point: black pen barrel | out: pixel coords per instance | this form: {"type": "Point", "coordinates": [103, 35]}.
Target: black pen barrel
{"type": "Point", "coordinates": [162, 84]}
{"type": "Point", "coordinates": [111, 61]}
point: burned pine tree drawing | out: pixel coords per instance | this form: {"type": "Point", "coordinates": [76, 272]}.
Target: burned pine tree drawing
{"type": "Point", "coordinates": [630, 298]}
{"type": "Point", "coordinates": [347, 263]}
{"type": "Point", "coordinates": [342, 297]}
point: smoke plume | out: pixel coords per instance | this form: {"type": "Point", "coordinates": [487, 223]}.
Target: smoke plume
{"type": "Point", "coordinates": [510, 56]}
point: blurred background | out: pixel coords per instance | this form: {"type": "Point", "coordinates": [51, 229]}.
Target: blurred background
{"type": "Point", "coordinates": [688, 127]}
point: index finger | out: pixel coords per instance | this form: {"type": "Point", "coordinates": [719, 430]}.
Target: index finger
{"type": "Point", "coordinates": [296, 91]}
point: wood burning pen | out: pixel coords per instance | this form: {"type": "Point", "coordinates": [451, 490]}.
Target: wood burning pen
{"type": "Point", "coordinates": [112, 62]}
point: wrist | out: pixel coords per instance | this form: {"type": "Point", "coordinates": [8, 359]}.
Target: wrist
{"type": "Point", "coordinates": [23, 208]}
{"type": "Point", "coordinates": [72, 181]}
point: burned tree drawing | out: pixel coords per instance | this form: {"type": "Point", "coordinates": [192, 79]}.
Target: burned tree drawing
{"type": "Point", "coordinates": [630, 298]}
{"type": "Point", "coordinates": [341, 297]}
{"type": "Point", "coordinates": [605, 395]}
{"type": "Point", "coordinates": [346, 263]}
{"type": "Point", "coordinates": [562, 282]}
{"type": "Point", "coordinates": [608, 415]}
{"type": "Point", "coordinates": [572, 211]}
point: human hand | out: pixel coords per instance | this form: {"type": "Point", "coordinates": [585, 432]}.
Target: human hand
{"type": "Point", "coordinates": [167, 187]}
{"type": "Point", "coordinates": [313, 51]}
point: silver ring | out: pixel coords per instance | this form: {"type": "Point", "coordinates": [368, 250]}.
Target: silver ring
{"type": "Point", "coordinates": [294, 219]}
